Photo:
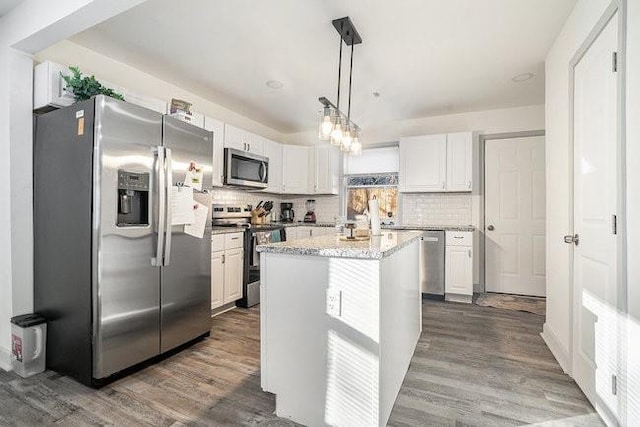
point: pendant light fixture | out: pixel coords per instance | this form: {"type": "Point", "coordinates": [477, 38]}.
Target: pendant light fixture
{"type": "Point", "coordinates": [333, 124]}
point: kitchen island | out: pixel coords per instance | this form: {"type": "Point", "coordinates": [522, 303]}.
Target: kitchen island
{"type": "Point", "coordinates": [339, 325]}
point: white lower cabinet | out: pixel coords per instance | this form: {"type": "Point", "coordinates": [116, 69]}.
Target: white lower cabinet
{"type": "Point", "coordinates": [458, 282]}
{"type": "Point", "coordinates": [217, 279]}
{"type": "Point", "coordinates": [306, 231]}
{"type": "Point", "coordinates": [227, 264]}
{"type": "Point", "coordinates": [232, 275]}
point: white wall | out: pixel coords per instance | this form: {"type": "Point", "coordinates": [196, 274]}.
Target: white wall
{"type": "Point", "coordinates": [118, 73]}
{"type": "Point", "coordinates": [558, 160]}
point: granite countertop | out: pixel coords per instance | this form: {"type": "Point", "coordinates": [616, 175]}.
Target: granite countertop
{"type": "Point", "coordinates": [331, 246]}
{"type": "Point", "coordinates": [430, 227]}
{"type": "Point", "coordinates": [387, 227]}
{"type": "Point", "coordinates": [306, 224]}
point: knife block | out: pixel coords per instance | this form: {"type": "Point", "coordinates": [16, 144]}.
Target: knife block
{"type": "Point", "coordinates": [256, 219]}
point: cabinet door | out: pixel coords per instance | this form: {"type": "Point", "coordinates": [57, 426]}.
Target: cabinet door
{"type": "Point", "coordinates": [295, 169]}
{"type": "Point", "coordinates": [236, 138]}
{"type": "Point", "coordinates": [217, 280]}
{"type": "Point", "coordinates": [291, 233]}
{"type": "Point", "coordinates": [459, 270]}
{"type": "Point", "coordinates": [255, 144]}
{"type": "Point", "coordinates": [273, 151]}
{"type": "Point", "coordinates": [423, 164]}
{"type": "Point", "coordinates": [233, 267]}
{"type": "Point", "coordinates": [304, 232]}
{"type": "Point", "coordinates": [217, 127]}
{"type": "Point", "coordinates": [459, 158]}
{"type": "Point", "coordinates": [326, 170]}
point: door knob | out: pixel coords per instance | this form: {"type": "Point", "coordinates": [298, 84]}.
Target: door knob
{"type": "Point", "coordinates": [491, 228]}
{"type": "Point", "coordinates": [571, 239]}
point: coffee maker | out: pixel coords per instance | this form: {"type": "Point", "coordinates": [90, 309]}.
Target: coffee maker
{"type": "Point", "coordinates": [310, 216]}
{"type": "Point", "coordinates": [286, 212]}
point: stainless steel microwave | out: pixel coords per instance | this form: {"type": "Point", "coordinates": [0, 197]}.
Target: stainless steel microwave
{"type": "Point", "coordinates": [245, 169]}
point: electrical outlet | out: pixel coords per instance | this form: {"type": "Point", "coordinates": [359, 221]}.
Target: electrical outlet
{"type": "Point", "coordinates": [334, 302]}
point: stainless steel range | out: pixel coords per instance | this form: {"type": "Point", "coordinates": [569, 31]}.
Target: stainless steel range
{"type": "Point", "coordinates": [239, 216]}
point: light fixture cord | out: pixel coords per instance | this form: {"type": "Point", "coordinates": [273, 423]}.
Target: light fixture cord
{"type": "Point", "coordinates": [340, 66]}
{"type": "Point", "coordinates": [350, 78]}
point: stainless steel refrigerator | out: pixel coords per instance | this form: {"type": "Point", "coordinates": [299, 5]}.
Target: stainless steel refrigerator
{"type": "Point", "coordinates": [117, 282]}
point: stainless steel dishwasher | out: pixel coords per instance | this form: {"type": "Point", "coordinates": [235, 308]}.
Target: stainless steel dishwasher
{"type": "Point", "coordinates": [432, 264]}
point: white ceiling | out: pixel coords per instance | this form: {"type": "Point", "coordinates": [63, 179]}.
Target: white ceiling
{"type": "Point", "coordinates": [7, 5]}
{"type": "Point", "coordinates": [425, 57]}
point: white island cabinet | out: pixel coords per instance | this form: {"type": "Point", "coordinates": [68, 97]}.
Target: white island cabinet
{"type": "Point", "coordinates": [339, 324]}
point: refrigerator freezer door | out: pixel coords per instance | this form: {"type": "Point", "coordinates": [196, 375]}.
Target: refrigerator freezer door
{"type": "Point", "coordinates": [186, 274]}
{"type": "Point", "coordinates": [126, 286]}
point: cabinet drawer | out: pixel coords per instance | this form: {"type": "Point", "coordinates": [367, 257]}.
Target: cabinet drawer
{"type": "Point", "coordinates": [217, 242]}
{"type": "Point", "coordinates": [233, 240]}
{"type": "Point", "coordinates": [459, 238]}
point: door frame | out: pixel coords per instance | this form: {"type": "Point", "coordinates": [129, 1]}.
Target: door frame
{"type": "Point", "coordinates": [482, 203]}
{"type": "Point", "coordinates": [619, 7]}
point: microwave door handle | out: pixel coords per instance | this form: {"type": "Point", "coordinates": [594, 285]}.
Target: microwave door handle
{"type": "Point", "coordinates": [169, 188]}
{"type": "Point", "coordinates": [161, 190]}
{"type": "Point", "coordinates": [263, 171]}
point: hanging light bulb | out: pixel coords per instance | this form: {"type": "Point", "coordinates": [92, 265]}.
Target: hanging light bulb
{"type": "Point", "coordinates": [356, 146]}
{"type": "Point", "coordinates": [336, 133]}
{"type": "Point", "coordinates": [325, 125]}
{"type": "Point", "coordinates": [347, 136]}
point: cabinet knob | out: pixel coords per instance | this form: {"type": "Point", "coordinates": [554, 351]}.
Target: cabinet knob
{"type": "Point", "coordinates": [491, 228]}
{"type": "Point", "coordinates": [469, 184]}
{"type": "Point", "coordinates": [469, 253]}
{"type": "Point", "coordinates": [443, 185]}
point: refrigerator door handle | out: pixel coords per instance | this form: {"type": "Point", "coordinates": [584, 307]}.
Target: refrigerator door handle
{"type": "Point", "coordinates": [159, 152]}
{"type": "Point", "coordinates": [169, 188]}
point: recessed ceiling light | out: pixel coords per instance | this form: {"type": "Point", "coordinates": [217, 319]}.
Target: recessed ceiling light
{"type": "Point", "coordinates": [274, 84]}
{"type": "Point", "coordinates": [522, 77]}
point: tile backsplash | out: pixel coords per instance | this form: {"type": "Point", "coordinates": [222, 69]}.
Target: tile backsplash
{"type": "Point", "coordinates": [326, 206]}
{"type": "Point", "coordinates": [417, 209]}
{"type": "Point", "coordinates": [436, 209]}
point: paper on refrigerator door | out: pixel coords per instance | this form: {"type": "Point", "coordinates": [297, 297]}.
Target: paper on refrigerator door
{"type": "Point", "coordinates": [201, 214]}
{"type": "Point", "coordinates": [182, 203]}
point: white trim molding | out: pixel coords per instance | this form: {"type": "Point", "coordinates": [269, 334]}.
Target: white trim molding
{"type": "Point", "coordinates": [561, 355]}
{"type": "Point", "coordinates": [5, 359]}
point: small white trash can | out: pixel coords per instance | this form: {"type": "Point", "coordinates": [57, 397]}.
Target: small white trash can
{"type": "Point", "coordinates": [28, 344]}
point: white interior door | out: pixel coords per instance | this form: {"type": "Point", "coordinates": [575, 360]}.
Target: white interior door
{"type": "Point", "coordinates": [595, 203]}
{"type": "Point", "coordinates": [515, 216]}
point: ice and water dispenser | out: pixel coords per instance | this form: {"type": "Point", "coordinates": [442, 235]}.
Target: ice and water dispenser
{"type": "Point", "coordinates": [133, 198]}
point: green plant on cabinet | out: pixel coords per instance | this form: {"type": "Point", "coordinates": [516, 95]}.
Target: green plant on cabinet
{"type": "Point", "coordinates": [84, 87]}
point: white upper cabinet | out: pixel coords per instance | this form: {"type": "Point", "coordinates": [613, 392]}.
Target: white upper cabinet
{"type": "Point", "coordinates": [423, 164]}
{"type": "Point", "coordinates": [49, 88]}
{"type": "Point", "coordinates": [436, 163]}
{"type": "Point", "coordinates": [459, 158]}
{"type": "Point", "coordinates": [295, 169]}
{"type": "Point", "coordinates": [273, 151]}
{"type": "Point", "coordinates": [217, 127]}
{"type": "Point", "coordinates": [324, 168]}
{"type": "Point", "coordinates": [242, 140]}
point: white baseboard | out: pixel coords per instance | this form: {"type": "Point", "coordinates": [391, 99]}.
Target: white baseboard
{"type": "Point", "coordinates": [558, 351]}
{"type": "Point", "coordinates": [5, 359]}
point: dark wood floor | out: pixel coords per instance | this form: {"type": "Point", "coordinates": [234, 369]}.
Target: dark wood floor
{"type": "Point", "coordinates": [473, 366]}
